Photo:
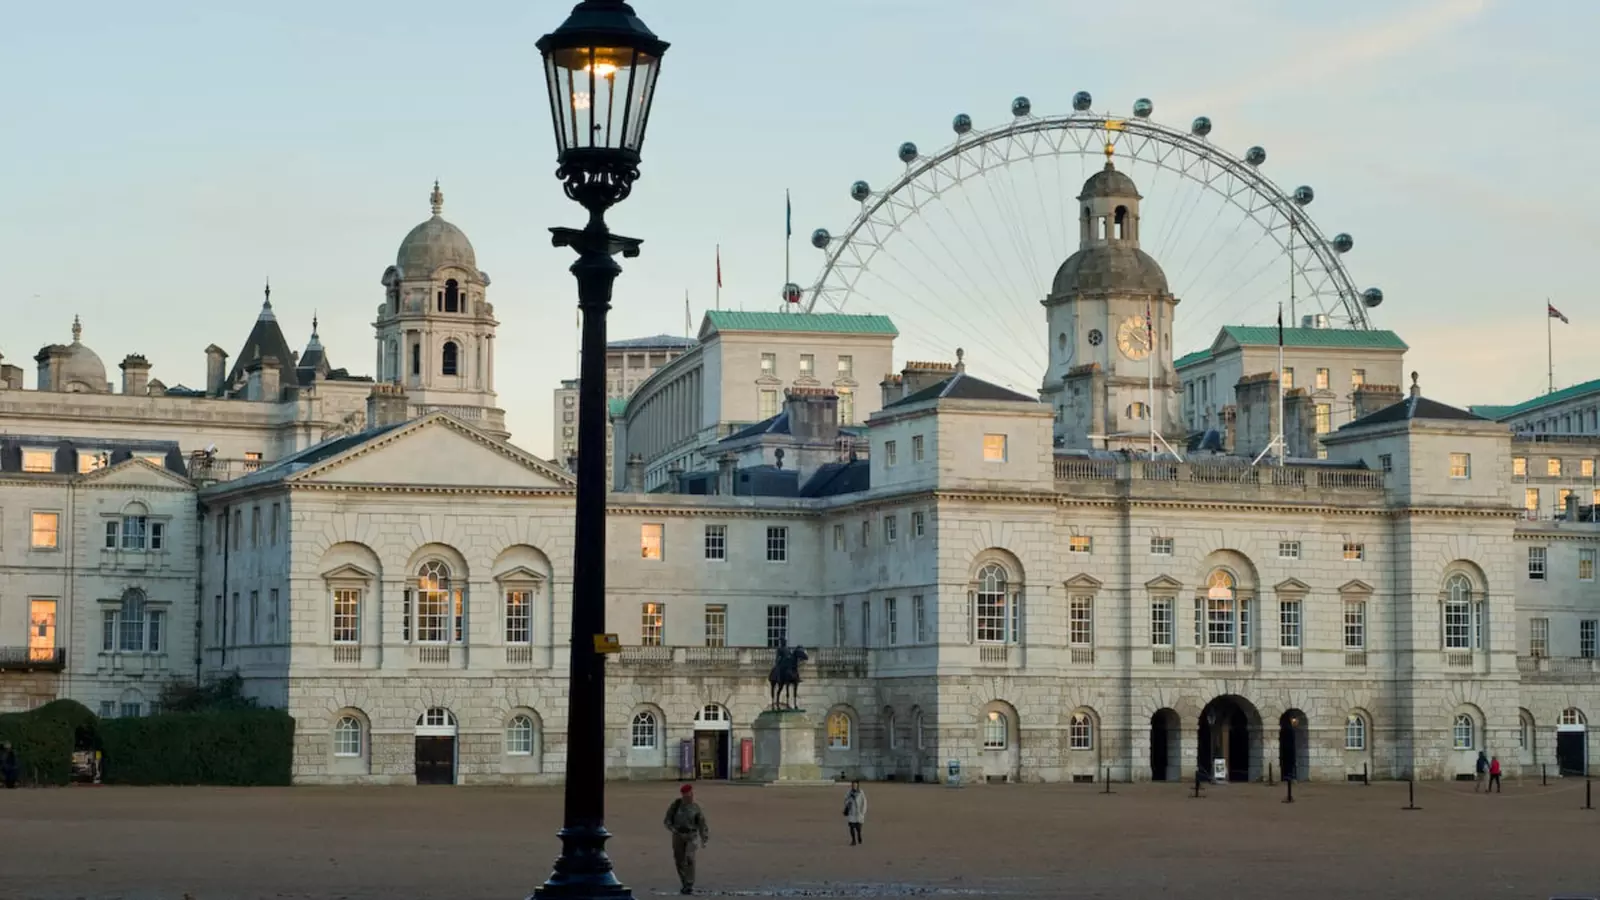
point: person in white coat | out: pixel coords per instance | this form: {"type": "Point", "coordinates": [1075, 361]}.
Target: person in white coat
{"type": "Point", "coordinates": [855, 811]}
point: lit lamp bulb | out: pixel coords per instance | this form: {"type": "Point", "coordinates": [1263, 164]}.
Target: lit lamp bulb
{"type": "Point", "coordinates": [603, 70]}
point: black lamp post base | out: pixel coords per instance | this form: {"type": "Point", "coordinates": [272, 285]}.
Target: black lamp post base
{"type": "Point", "coordinates": [583, 870]}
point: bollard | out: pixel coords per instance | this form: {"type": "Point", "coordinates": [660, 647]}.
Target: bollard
{"type": "Point", "coordinates": [1108, 781]}
{"type": "Point", "coordinates": [1588, 793]}
{"type": "Point", "coordinates": [1270, 780]}
{"type": "Point", "coordinates": [1288, 784]}
{"type": "Point", "coordinates": [1411, 793]}
{"type": "Point", "coordinates": [1544, 775]}
{"type": "Point", "coordinates": [1366, 779]}
{"type": "Point", "coordinates": [1196, 784]}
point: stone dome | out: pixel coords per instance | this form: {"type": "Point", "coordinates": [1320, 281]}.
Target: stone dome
{"type": "Point", "coordinates": [1116, 268]}
{"type": "Point", "coordinates": [1108, 182]}
{"type": "Point", "coordinates": [80, 368]}
{"type": "Point", "coordinates": [434, 244]}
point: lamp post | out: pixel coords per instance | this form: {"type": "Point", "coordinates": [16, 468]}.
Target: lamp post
{"type": "Point", "coordinates": [600, 68]}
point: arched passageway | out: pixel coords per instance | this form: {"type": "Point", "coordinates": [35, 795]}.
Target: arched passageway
{"type": "Point", "coordinates": [1228, 745]}
{"type": "Point", "coordinates": [1294, 746]}
{"type": "Point", "coordinates": [1166, 755]}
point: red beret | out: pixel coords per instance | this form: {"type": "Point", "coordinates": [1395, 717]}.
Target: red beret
{"type": "Point", "coordinates": [685, 789]}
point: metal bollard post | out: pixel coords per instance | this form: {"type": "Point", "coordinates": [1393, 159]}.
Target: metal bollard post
{"type": "Point", "coordinates": [1588, 793]}
{"type": "Point", "coordinates": [1544, 775]}
{"type": "Point", "coordinates": [1196, 784]}
{"type": "Point", "coordinates": [1411, 793]}
{"type": "Point", "coordinates": [1366, 778]}
{"type": "Point", "coordinates": [1288, 784]}
{"type": "Point", "coordinates": [1108, 781]}
{"type": "Point", "coordinates": [1270, 780]}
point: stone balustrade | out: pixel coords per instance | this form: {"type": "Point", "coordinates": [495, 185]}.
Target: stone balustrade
{"type": "Point", "coordinates": [1165, 475]}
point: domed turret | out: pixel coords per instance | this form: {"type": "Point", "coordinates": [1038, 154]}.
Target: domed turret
{"type": "Point", "coordinates": [435, 244]}
{"type": "Point", "coordinates": [72, 368]}
{"type": "Point", "coordinates": [1109, 258]}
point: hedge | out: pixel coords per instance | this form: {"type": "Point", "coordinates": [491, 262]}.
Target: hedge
{"type": "Point", "coordinates": [44, 739]}
{"type": "Point", "coordinates": [224, 747]}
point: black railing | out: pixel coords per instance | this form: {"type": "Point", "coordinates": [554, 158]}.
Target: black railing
{"type": "Point", "coordinates": [32, 659]}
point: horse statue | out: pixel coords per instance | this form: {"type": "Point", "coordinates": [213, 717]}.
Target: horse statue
{"type": "Point", "coordinates": [786, 674]}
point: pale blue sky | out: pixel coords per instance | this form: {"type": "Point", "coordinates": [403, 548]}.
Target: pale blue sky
{"type": "Point", "coordinates": [160, 158]}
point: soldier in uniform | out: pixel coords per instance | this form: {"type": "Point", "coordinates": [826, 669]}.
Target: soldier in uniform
{"type": "Point", "coordinates": [687, 825]}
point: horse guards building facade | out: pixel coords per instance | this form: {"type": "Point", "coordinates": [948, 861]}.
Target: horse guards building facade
{"type": "Point", "coordinates": [1012, 581]}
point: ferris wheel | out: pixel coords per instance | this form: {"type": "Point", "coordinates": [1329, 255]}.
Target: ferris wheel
{"type": "Point", "coordinates": [960, 248]}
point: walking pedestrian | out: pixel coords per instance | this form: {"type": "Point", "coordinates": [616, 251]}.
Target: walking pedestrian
{"type": "Point", "coordinates": [1481, 772]}
{"type": "Point", "coordinates": [8, 765]}
{"type": "Point", "coordinates": [687, 824]}
{"type": "Point", "coordinates": [855, 811]}
{"type": "Point", "coordinates": [1494, 776]}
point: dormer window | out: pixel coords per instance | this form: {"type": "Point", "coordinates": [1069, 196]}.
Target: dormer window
{"type": "Point", "coordinates": [38, 460]}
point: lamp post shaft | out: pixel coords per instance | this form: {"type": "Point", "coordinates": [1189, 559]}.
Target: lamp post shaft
{"type": "Point", "coordinates": [584, 870]}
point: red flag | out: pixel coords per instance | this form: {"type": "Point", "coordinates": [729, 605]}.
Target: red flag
{"type": "Point", "coordinates": [1556, 313]}
{"type": "Point", "coordinates": [719, 265]}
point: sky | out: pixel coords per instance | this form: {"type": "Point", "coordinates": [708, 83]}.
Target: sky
{"type": "Point", "coordinates": [161, 159]}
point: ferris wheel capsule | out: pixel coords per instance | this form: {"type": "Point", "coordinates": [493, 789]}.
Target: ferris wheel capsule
{"type": "Point", "coordinates": [821, 238]}
{"type": "Point", "coordinates": [908, 152]}
{"type": "Point", "coordinates": [1021, 107]}
{"type": "Point", "coordinates": [860, 191]}
{"type": "Point", "coordinates": [1081, 101]}
{"type": "Point", "coordinates": [1371, 297]}
{"type": "Point", "coordinates": [1303, 195]}
{"type": "Point", "coordinates": [791, 293]}
{"type": "Point", "coordinates": [1201, 125]}
{"type": "Point", "coordinates": [962, 123]}
{"type": "Point", "coordinates": [1342, 242]}
{"type": "Point", "coordinates": [1142, 107]}
{"type": "Point", "coordinates": [1256, 155]}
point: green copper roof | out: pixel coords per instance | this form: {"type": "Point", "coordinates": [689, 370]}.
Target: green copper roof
{"type": "Point", "coordinates": [1267, 336]}
{"type": "Point", "coordinates": [836, 323]}
{"type": "Point", "coordinates": [1527, 406]}
{"type": "Point", "coordinates": [616, 406]}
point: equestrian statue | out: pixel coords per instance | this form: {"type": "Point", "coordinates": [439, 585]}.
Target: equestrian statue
{"type": "Point", "coordinates": [786, 674]}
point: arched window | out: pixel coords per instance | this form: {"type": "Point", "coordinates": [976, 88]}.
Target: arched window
{"type": "Point", "coordinates": [644, 731]}
{"type": "Point", "coordinates": [450, 359]}
{"type": "Point", "coordinates": [436, 717]}
{"type": "Point", "coordinates": [1464, 732]}
{"type": "Point", "coordinates": [888, 727]}
{"type": "Point", "coordinates": [1138, 410]}
{"type": "Point", "coordinates": [519, 736]}
{"type": "Point", "coordinates": [434, 601]}
{"type": "Point", "coordinates": [996, 730]}
{"type": "Point", "coordinates": [1227, 619]}
{"type": "Point", "coordinates": [452, 296]}
{"type": "Point", "coordinates": [1121, 220]}
{"type": "Point", "coordinates": [1355, 732]}
{"type": "Point", "coordinates": [347, 737]}
{"type": "Point", "coordinates": [994, 608]}
{"type": "Point", "coordinates": [1080, 732]}
{"type": "Point", "coordinates": [1570, 716]}
{"type": "Point", "coordinates": [1524, 729]}
{"type": "Point", "coordinates": [839, 728]}
{"type": "Point", "coordinates": [133, 628]}
{"type": "Point", "coordinates": [1463, 615]}
{"type": "Point", "coordinates": [416, 359]}
{"type": "Point", "coordinates": [922, 738]}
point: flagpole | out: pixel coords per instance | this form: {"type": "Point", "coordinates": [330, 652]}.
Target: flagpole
{"type": "Point", "coordinates": [1283, 444]}
{"type": "Point", "coordinates": [719, 276]}
{"type": "Point", "coordinates": [685, 312]}
{"type": "Point", "coordinates": [1549, 346]}
{"type": "Point", "coordinates": [1150, 368]}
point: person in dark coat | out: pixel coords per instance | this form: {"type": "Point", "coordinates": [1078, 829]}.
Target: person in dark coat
{"type": "Point", "coordinates": [8, 766]}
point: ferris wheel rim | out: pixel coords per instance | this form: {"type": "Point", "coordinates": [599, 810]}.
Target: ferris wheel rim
{"type": "Point", "coordinates": [1297, 221]}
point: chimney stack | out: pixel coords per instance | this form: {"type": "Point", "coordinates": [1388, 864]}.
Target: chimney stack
{"type": "Point", "coordinates": [386, 405]}
{"type": "Point", "coordinates": [727, 465]}
{"type": "Point", "coordinates": [216, 370]}
{"type": "Point", "coordinates": [635, 472]}
{"type": "Point", "coordinates": [1416, 389]}
{"type": "Point", "coordinates": [135, 374]}
{"type": "Point", "coordinates": [1369, 398]}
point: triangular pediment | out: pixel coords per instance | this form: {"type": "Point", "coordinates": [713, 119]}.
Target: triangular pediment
{"type": "Point", "coordinates": [520, 573]}
{"type": "Point", "coordinates": [437, 451]}
{"type": "Point", "coordinates": [1164, 583]}
{"type": "Point", "coordinates": [1355, 586]}
{"type": "Point", "coordinates": [349, 572]}
{"type": "Point", "coordinates": [1082, 582]}
{"type": "Point", "coordinates": [136, 472]}
{"type": "Point", "coordinates": [1292, 586]}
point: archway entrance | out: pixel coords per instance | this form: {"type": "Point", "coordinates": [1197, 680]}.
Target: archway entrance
{"type": "Point", "coordinates": [436, 747]}
{"type": "Point", "coordinates": [1294, 746]}
{"type": "Point", "coordinates": [1166, 760]}
{"type": "Point", "coordinates": [1230, 731]}
{"type": "Point", "coordinates": [1572, 739]}
{"type": "Point", "coordinates": [713, 733]}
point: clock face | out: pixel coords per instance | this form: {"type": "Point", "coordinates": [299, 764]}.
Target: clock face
{"type": "Point", "coordinates": [1132, 338]}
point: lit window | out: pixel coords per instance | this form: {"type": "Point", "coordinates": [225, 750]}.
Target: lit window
{"type": "Point", "coordinates": [1358, 377]}
{"type": "Point", "coordinates": [1354, 551]}
{"type": "Point", "coordinates": [889, 453]}
{"type": "Point", "coordinates": [847, 407]}
{"type": "Point", "coordinates": [1161, 546]}
{"type": "Point", "coordinates": [716, 626]}
{"type": "Point", "coordinates": [1081, 732]}
{"type": "Point", "coordinates": [1538, 637]}
{"type": "Point", "coordinates": [847, 367]}
{"type": "Point", "coordinates": [994, 448]}
{"type": "Point", "coordinates": [346, 616]}
{"type": "Point", "coordinates": [90, 462]}
{"type": "Point", "coordinates": [1355, 625]}
{"type": "Point", "coordinates": [1288, 379]}
{"type": "Point", "coordinates": [519, 617]}
{"type": "Point", "coordinates": [769, 405]}
{"type": "Point", "coordinates": [1536, 563]}
{"type": "Point", "coordinates": [1586, 468]}
{"type": "Point", "coordinates": [777, 543]}
{"type": "Point", "coordinates": [650, 541]}
{"type": "Point", "coordinates": [808, 365]}
{"type": "Point", "coordinates": [1322, 379]}
{"type": "Point", "coordinates": [651, 618]}
{"type": "Point", "coordinates": [1552, 467]}
{"type": "Point", "coordinates": [347, 737]}
{"type": "Point", "coordinates": [995, 731]}
{"type": "Point", "coordinates": [38, 460]}
{"type": "Point", "coordinates": [437, 601]}
{"type": "Point", "coordinates": [717, 542]}
{"type": "Point", "coordinates": [1223, 625]}
{"type": "Point", "coordinates": [519, 736]}
{"type": "Point", "coordinates": [1463, 732]}
{"type": "Point", "coordinates": [1460, 465]}
{"type": "Point", "coordinates": [46, 528]}
{"type": "Point", "coordinates": [1519, 466]}
{"type": "Point", "coordinates": [1324, 418]}
{"type": "Point", "coordinates": [1288, 549]}
{"type": "Point", "coordinates": [644, 731]}
{"type": "Point", "coordinates": [1586, 564]}
{"type": "Point", "coordinates": [769, 363]}
{"type": "Point", "coordinates": [1080, 543]}
{"type": "Point", "coordinates": [838, 731]}
{"type": "Point", "coordinates": [992, 606]}
{"type": "Point", "coordinates": [1355, 732]}
{"type": "Point", "coordinates": [1530, 500]}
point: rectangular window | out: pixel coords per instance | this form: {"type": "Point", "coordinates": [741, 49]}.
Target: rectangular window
{"type": "Point", "coordinates": [1539, 636]}
{"type": "Point", "coordinates": [220, 520]}
{"type": "Point", "coordinates": [838, 537]}
{"type": "Point", "coordinates": [1536, 560]}
{"type": "Point", "coordinates": [808, 365]}
{"type": "Point", "coordinates": [1322, 379]}
{"type": "Point", "coordinates": [1561, 501]}
{"type": "Point", "coordinates": [347, 616]}
{"type": "Point", "coordinates": [1586, 468]}
{"type": "Point", "coordinates": [255, 616]}
{"type": "Point", "coordinates": [133, 532]}
{"type": "Point", "coordinates": [866, 623]}
{"type": "Point", "coordinates": [650, 540]}
{"type": "Point", "coordinates": [717, 542]}
{"type": "Point", "coordinates": [1161, 546]}
{"type": "Point", "coordinates": [158, 536]}
{"type": "Point", "coordinates": [272, 616]}
{"type": "Point", "coordinates": [891, 617]}
{"type": "Point", "coordinates": [1080, 543]}
{"type": "Point", "coordinates": [1161, 622]}
{"type": "Point", "coordinates": [890, 529]}
{"type": "Point", "coordinates": [1288, 379]}
{"type": "Point", "coordinates": [1552, 467]}
{"type": "Point", "coordinates": [90, 462]}
{"type": "Point", "coordinates": [847, 367]}
{"type": "Point", "coordinates": [1288, 549]}
{"type": "Point", "coordinates": [1519, 466]}
{"type": "Point", "coordinates": [777, 543]}
{"type": "Point", "coordinates": [238, 527]}
{"type": "Point", "coordinates": [777, 624]}
{"type": "Point", "coordinates": [1080, 621]}
{"type": "Point", "coordinates": [1324, 418]}
{"type": "Point", "coordinates": [1354, 551]}
{"type": "Point", "coordinates": [1586, 638]}
{"type": "Point", "coordinates": [716, 626]}
{"type": "Point", "coordinates": [519, 617]}
{"type": "Point", "coordinates": [919, 620]}
{"type": "Point", "coordinates": [994, 448]}
{"type": "Point", "coordinates": [1355, 625]}
{"type": "Point", "coordinates": [433, 613]}
{"type": "Point", "coordinates": [38, 460]}
{"type": "Point", "coordinates": [769, 363]}
{"type": "Point", "coordinates": [1530, 500]}
{"type": "Point", "coordinates": [218, 633]}
{"type": "Point", "coordinates": [866, 532]}
{"type": "Point", "coordinates": [651, 623]}
{"type": "Point", "coordinates": [275, 524]}
{"type": "Point", "coordinates": [46, 531]}
{"type": "Point", "coordinates": [1385, 463]}
{"type": "Point", "coordinates": [889, 453]}
{"type": "Point", "coordinates": [1586, 564]}
{"type": "Point", "coordinates": [838, 624]}
{"type": "Point", "coordinates": [916, 448]}
{"type": "Point", "coordinates": [113, 534]}
{"type": "Point", "coordinates": [132, 710]}
{"type": "Point", "coordinates": [989, 617]}
{"type": "Point", "coordinates": [255, 526]}
{"type": "Point", "coordinates": [1221, 623]}
{"type": "Point", "coordinates": [1289, 624]}
{"type": "Point", "coordinates": [1358, 377]}
{"type": "Point", "coordinates": [917, 527]}
{"type": "Point", "coordinates": [768, 406]}
{"type": "Point", "coordinates": [1460, 465]}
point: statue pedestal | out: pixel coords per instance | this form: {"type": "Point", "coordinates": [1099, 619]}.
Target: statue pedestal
{"type": "Point", "coordinates": [785, 749]}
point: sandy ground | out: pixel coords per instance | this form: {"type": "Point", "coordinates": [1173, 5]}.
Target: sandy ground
{"type": "Point", "coordinates": [1336, 840]}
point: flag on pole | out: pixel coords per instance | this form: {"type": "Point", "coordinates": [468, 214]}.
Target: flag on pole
{"type": "Point", "coordinates": [1149, 328]}
{"type": "Point", "coordinates": [1280, 326]}
{"type": "Point", "coordinates": [719, 267]}
{"type": "Point", "coordinates": [1556, 313]}
{"type": "Point", "coordinates": [788, 215]}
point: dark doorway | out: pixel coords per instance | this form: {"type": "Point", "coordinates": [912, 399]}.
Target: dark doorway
{"type": "Point", "coordinates": [1570, 752]}
{"type": "Point", "coordinates": [1294, 746]}
{"type": "Point", "coordinates": [436, 760]}
{"type": "Point", "coordinates": [1164, 755]}
{"type": "Point", "coordinates": [1225, 733]}
{"type": "Point", "coordinates": [711, 754]}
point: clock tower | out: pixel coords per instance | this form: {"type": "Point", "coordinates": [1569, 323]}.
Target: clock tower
{"type": "Point", "coordinates": [1110, 319]}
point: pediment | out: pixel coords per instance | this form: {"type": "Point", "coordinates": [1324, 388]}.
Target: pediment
{"type": "Point", "coordinates": [349, 572]}
{"type": "Point", "coordinates": [521, 573]}
{"type": "Point", "coordinates": [136, 472]}
{"type": "Point", "coordinates": [1082, 582]}
{"type": "Point", "coordinates": [1164, 583]}
{"type": "Point", "coordinates": [437, 451]}
{"type": "Point", "coordinates": [1355, 586]}
{"type": "Point", "coordinates": [1292, 586]}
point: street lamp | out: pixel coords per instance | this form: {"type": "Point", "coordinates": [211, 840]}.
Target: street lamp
{"type": "Point", "coordinates": [600, 67]}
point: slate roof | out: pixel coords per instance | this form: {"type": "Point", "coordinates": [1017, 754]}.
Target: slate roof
{"type": "Point", "coordinates": [962, 386]}
{"type": "Point", "coordinates": [834, 479]}
{"type": "Point", "coordinates": [1267, 336]}
{"type": "Point", "coordinates": [305, 459]}
{"type": "Point", "coordinates": [1418, 407]}
{"type": "Point", "coordinates": [840, 323]}
{"type": "Point", "coordinates": [67, 449]}
{"type": "Point", "coordinates": [669, 341]}
{"type": "Point", "coordinates": [1539, 402]}
{"type": "Point", "coordinates": [266, 339]}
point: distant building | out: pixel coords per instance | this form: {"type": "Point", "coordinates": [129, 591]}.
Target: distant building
{"type": "Point", "coordinates": [628, 363]}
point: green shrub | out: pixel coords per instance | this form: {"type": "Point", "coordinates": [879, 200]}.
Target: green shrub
{"type": "Point", "coordinates": [43, 739]}
{"type": "Point", "coordinates": [227, 747]}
